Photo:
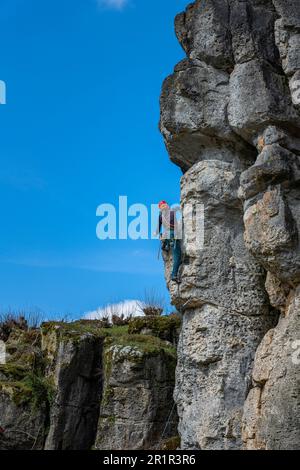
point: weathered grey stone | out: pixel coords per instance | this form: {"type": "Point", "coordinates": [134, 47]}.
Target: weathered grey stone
{"type": "Point", "coordinates": [225, 311]}
{"type": "Point", "coordinates": [271, 418]}
{"type": "Point", "coordinates": [194, 122]}
{"type": "Point", "coordinates": [225, 32]}
{"type": "Point", "coordinates": [138, 397]}
{"type": "Point", "coordinates": [278, 292]}
{"type": "Point", "coordinates": [289, 11]}
{"type": "Point", "coordinates": [215, 357]}
{"type": "Point", "coordinates": [271, 234]}
{"type": "Point", "coordinates": [229, 284]}
{"type": "Point", "coordinates": [24, 400]}
{"type": "Point", "coordinates": [287, 35]}
{"type": "Point", "coordinates": [24, 391]}
{"type": "Point", "coordinates": [252, 31]}
{"type": "Point", "coordinates": [76, 369]}
{"type": "Point", "coordinates": [54, 384]}
{"type": "Point", "coordinates": [276, 135]}
{"type": "Point", "coordinates": [204, 32]}
{"type": "Point", "coordinates": [230, 119]}
{"type": "Point", "coordinates": [288, 43]}
{"type": "Point", "coordinates": [221, 272]}
{"type": "Point", "coordinates": [21, 426]}
{"type": "Point", "coordinates": [233, 127]}
{"type": "Point", "coordinates": [259, 96]}
{"type": "Point", "coordinates": [295, 89]}
{"type": "Point", "coordinates": [274, 165]}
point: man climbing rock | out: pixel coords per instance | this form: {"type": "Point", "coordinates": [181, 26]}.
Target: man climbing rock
{"type": "Point", "coordinates": [171, 236]}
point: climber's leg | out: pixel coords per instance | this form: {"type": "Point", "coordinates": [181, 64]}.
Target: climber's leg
{"type": "Point", "coordinates": [176, 259]}
{"type": "Point", "coordinates": [166, 245]}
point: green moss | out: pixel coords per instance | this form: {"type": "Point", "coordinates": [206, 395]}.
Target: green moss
{"type": "Point", "coordinates": [24, 352]}
{"type": "Point", "coordinates": [171, 444]}
{"type": "Point", "coordinates": [161, 327]}
{"type": "Point", "coordinates": [13, 372]}
{"type": "Point", "coordinates": [75, 330]}
{"type": "Point", "coordinates": [32, 389]}
{"type": "Point", "coordinates": [117, 330]}
{"type": "Point", "coordinates": [111, 419]}
{"type": "Point", "coordinates": [119, 335]}
{"type": "Point", "coordinates": [30, 337]}
{"type": "Point", "coordinates": [18, 391]}
{"type": "Point", "coordinates": [148, 345]}
{"type": "Point", "coordinates": [105, 422]}
{"type": "Point", "coordinates": [145, 345]}
{"type": "Point", "coordinates": [42, 388]}
{"type": "Point", "coordinates": [107, 395]}
{"type": "Point", "coordinates": [23, 376]}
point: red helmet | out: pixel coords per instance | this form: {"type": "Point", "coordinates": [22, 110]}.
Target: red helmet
{"type": "Point", "coordinates": [162, 203]}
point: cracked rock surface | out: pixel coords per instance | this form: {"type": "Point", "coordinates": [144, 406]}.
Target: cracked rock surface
{"type": "Point", "coordinates": [230, 120]}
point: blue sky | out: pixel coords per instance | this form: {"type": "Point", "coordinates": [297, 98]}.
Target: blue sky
{"type": "Point", "coordinates": [80, 128]}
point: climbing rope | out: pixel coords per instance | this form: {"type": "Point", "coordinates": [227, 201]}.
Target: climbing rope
{"type": "Point", "coordinates": [180, 345]}
{"type": "Point", "coordinates": [166, 426]}
{"type": "Point", "coordinates": [181, 309]}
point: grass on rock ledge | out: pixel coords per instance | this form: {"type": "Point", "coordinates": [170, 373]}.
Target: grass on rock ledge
{"type": "Point", "coordinates": [23, 376]}
{"type": "Point", "coordinates": [113, 335]}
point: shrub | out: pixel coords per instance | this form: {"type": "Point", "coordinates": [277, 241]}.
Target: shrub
{"type": "Point", "coordinates": [152, 311]}
{"type": "Point", "coordinates": [153, 304]}
{"type": "Point", "coordinates": [8, 322]}
{"type": "Point", "coordinates": [22, 320]}
{"type": "Point", "coordinates": [120, 320]}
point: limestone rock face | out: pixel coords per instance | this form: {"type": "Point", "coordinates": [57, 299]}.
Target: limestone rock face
{"type": "Point", "coordinates": [194, 116]}
{"type": "Point", "coordinates": [75, 366]}
{"type": "Point", "coordinates": [137, 411]}
{"type": "Point", "coordinates": [21, 428]}
{"type": "Point", "coordinates": [215, 359]}
{"type": "Point", "coordinates": [23, 392]}
{"type": "Point", "coordinates": [230, 119]}
{"type": "Point", "coordinates": [84, 385]}
{"type": "Point", "coordinates": [271, 416]}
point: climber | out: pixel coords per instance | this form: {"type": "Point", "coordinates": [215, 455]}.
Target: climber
{"type": "Point", "coordinates": [170, 238]}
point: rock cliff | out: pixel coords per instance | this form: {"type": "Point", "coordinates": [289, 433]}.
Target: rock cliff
{"type": "Point", "coordinates": [83, 385]}
{"type": "Point", "coordinates": [230, 118]}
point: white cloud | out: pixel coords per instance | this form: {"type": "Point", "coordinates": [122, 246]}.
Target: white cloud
{"type": "Point", "coordinates": [126, 308]}
{"type": "Point", "coordinates": [114, 4]}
